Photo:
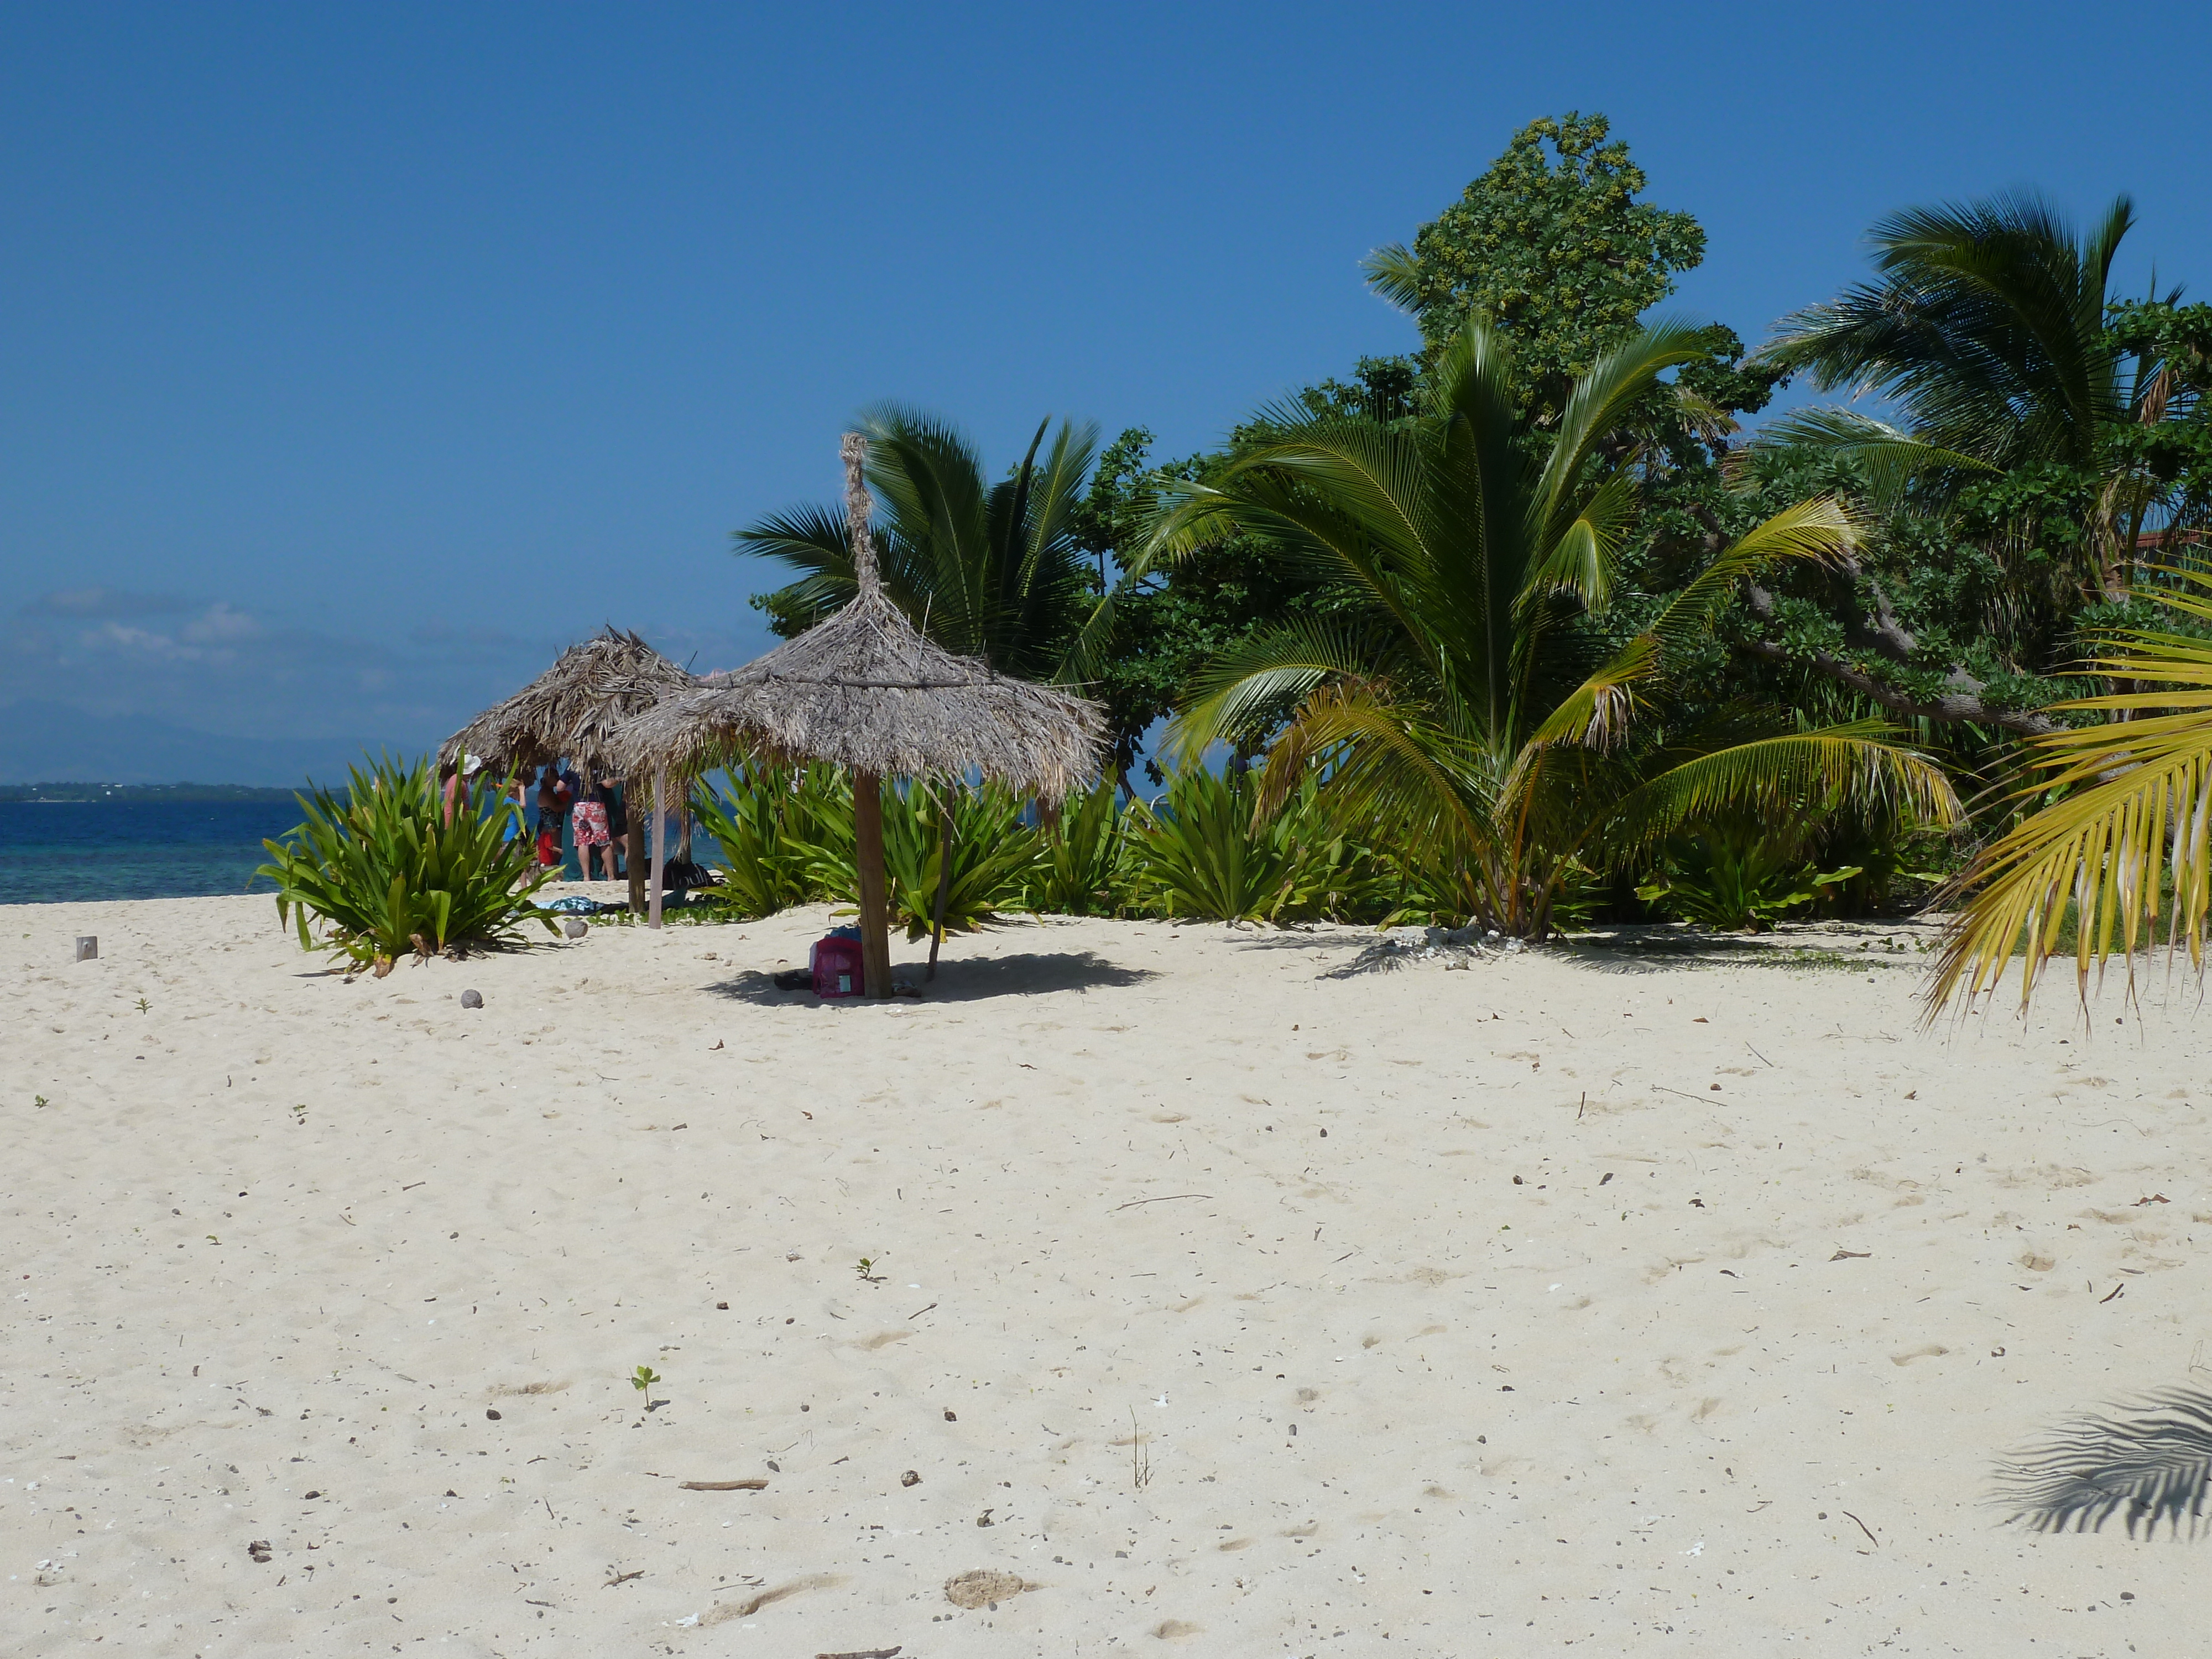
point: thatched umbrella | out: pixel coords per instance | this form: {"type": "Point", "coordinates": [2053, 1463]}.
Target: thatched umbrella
{"type": "Point", "coordinates": [864, 689]}
{"type": "Point", "coordinates": [571, 711]}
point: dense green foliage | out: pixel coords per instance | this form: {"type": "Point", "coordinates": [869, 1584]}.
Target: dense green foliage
{"type": "Point", "coordinates": [986, 570]}
{"type": "Point", "coordinates": [768, 831]}
{"type": "Point", "coordinates": [1082, 866]}
{"type": "Point", "coordinates": [385, 868]}
{"type": "Point", "coordinates": [1551, 251]}
{"type": "Point", "coordinates": [1521, 627]}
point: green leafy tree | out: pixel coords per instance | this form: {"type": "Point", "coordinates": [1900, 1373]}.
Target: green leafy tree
{"type": "Point", "coordinates": [1449, 701]}
{"type": "Point", "coordinates": [988, 570]}
{"type": "Point", "coordinates": [2048, 437]}
{"type": "Point", "coordinates": [1550, 248]}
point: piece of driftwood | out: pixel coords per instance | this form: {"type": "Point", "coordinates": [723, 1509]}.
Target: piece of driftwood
{"type": "Point", "coordinates": [723, 1485]}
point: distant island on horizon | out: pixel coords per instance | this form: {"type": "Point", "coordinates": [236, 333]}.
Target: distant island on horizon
{"type": "Point", "coordinates": [80, 793]}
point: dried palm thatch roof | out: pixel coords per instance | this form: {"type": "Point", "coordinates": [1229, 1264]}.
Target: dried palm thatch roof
{"type": "Point", "coordinates": [571, 709]}
{"type": "Point", "coordinates": [865, 689]}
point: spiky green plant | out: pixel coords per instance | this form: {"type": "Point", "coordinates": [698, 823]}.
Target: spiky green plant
{"type": "Point", "coordinates": [2120, 852]}
{"type": "Point", "coordinates": [1200, 856]}
{"type": "Point", "coordinates": [1083, 866]}
{"type": "Point", "coordinates": [1445, 704]}
{"type": "Point", "coordinates": [383, 869]}
{"type": "Point", "coordinates": [1201, 851]}
{"type": "Point", "coordinates": [991, 848]}
{"type": "Point", "coordinates": [1736, 873]}
{"type": "Point", "coordinates": [772, 829]}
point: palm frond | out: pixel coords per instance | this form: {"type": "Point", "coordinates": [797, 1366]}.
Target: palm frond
{"type": "Point", "coordinates": [1264, 674]}
{"type": "Point", "coordinates": [1394, 775]}
{"type": "Point", "coordinates": [1598, 713]}
{"type": "Point", "coordinates": [1820, 530]}
{"type": "Point", "coordinates": [1581, 562]}
{"type": "Point", "coordinates": [1860, 763]}
{"type": "Point", "coordinates": [2126, 843]}
{"type": "Point", "coordinates": [1393, 272]}
{"type": "Point", "coordinates": [1891, 458]}
{"type": "Point", "coordinates": [1600, 401]}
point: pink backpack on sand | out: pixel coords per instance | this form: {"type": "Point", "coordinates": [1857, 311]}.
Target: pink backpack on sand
{"type": "Point", "coordinates": [836, 964]}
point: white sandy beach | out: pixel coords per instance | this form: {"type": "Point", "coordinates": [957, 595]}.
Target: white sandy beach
{"type": "Point", "coordinates": [1453, 1313]}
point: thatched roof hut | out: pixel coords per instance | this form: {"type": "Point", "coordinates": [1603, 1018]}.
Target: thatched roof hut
{"type": "Point", "coordinates": [571, 710]}
{"type": "Point", "coordinates": [865, 689]}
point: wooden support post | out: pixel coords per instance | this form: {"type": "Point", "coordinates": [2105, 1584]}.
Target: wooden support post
{"type": "Point", "coordinates": [659, 844]}
{"type": "Point", "coordinates": [943, 880]}
{"type": "Point", "coordinates": [868, 855]}
{"type": "Point", "coordinates": [634, 845]}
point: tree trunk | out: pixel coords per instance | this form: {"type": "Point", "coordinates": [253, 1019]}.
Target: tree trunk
{"type": "Point", "coordinates": [868, 857]}
{"type": "Point", "coordinates": [660, 845]}
{"type": "Point", "coordinates": [634, 845]}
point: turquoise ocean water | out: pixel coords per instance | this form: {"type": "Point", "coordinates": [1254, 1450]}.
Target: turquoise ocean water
{"type": "Point", "coordinates": [53, 851]}
{"type": "Point", "coordinates": [60, 850]}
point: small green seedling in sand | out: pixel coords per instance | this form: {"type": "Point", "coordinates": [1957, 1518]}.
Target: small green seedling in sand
{"type": "Point", "coordinates": [39, 1100]}
{"type": "Point", "coordinates": [644, 1383]}
{"type": "Point", "coordinates": [299, 1114]}
{"type": "Point", "coordinates": [865, 1268]}
{"type": "Point", "coordinates": [143, 1005]}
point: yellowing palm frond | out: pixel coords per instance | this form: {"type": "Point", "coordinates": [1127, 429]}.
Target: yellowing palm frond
{"type": "Point", "coordinates": [1858, 762]}
{"type": "Point", "coordinates": [1819, 529]}
{"type": "Point", "coordinates": [1391, 768]}
{"type": "Point", "coordinates": [2127, 849]}
{"type": "Point", "coordinates": [1596, 713]}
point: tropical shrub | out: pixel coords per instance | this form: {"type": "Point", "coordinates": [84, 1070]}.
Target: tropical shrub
{"type": "Point", "coordinates": [775, 831]}
{"type": "Point", "coordinates": [1084, 867]}
{"type": "Point", "coordinates": [786, 837]}
{"type": "Point", "coordinates": [384, 869]}
{"type": "Point", "coordinates": [993, 853]}
{"type": "Point", "coordinates": [1199, 853]}
{"type": "Point", "coordinates": [1203, 851]}
{"type": "Point", "coordinates": [1448, 703]}
{"type": "Point", "coordinates": [1736, 873]}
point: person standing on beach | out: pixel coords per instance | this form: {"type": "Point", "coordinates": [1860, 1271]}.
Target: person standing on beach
{"type": "Point", "coordinates": [459, 782]}
{"type": "Point", "coordinates": [590, 818]}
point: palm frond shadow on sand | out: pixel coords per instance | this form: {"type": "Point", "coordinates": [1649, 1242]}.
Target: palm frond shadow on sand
{"type": "Point", "coordinates": [2148, 1464]}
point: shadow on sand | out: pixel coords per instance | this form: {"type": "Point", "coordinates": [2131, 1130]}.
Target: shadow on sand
{"type": "Point", "coordinates": [2148, 1463]}
{"type": "Point", "coordinates": [1034, 974]}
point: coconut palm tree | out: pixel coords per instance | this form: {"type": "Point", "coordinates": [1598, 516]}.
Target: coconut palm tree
{"type": "Point", "coordinates": [1447, 700]}
{"type": "Point", "coordinates": [1987, 331]}
{"type": "Point", "coordinates": [2122, 848]}
{"type": "Point", "coordinates": [986, 570]}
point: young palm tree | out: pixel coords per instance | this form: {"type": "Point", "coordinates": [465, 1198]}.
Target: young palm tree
{"type": "Point", "coordinates": [2123, 846]}
{"type": "Point", "coordinates": [1987, 331]}
{"type": "Point", "coordinates": [1447, 703]}
{"type": "Point", "coordinates": [986, 570]}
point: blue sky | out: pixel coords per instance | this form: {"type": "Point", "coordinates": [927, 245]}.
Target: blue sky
{"type": "Point", "coordinates": [356, 359]}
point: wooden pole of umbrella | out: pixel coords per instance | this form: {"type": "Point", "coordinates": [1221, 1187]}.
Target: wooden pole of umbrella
{"type": "Point", "coordinates": [867, 787]}
{"type": "Point", "coordinates": [659, 843]}
{"type": "Point", "coordinates": [865, 689]}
